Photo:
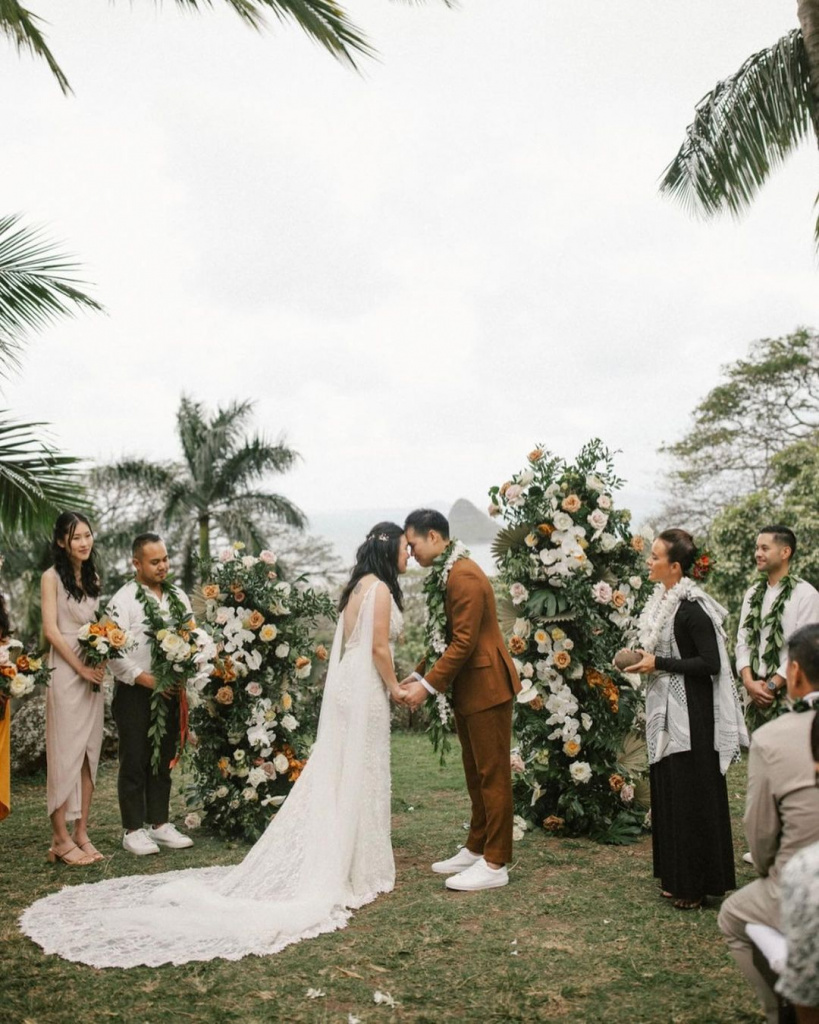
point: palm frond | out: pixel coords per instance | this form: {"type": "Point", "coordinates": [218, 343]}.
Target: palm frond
{"type": "Point", "coordinates": [506, 539]}
{"type": "Point", "coordinates": [151, 477]}
{"type": "Point", "coordinates": [742, 129]}
{"type": "Point", "coordinates": [253, 460]}
{"type": "Point", "coordinates": [37, 285]}
{"type": "Point", "coordinates": [261, 504]}
{"type": "Point", "coordinates": [36, 482]}
{"type": "Point", "coordinates": [323, 20]}
{"type": "Point", "coordinates": [20, 26]}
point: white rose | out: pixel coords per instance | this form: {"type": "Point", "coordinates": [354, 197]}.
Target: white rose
{"type": "Point", "coordinates": [192, 820]}
{"type": "Point", "coordinates": [597, 519]}
{"type": "Point", "coordinates": [249, 794]}
{"type": "Point", "coordinates": [238, 755]}
{"type": "Point", "coordinates": [523, 627]}
{"type": "Point", "coordinates": [608, 542]}
{"type": "Point", "coordinates": [594, 483]}
{"type": "Point", "coordinates": [19, 686]}
{"type": "Point", "coordinates": [267, 557]}
{"type": "Point", "coordinates": [580, 771]}
{"type": "Point", "coordinates": [220, 793]}
{"type": "Point", "coordinates": [627, 794]}
{"type": "Point", "coordinates": [289, 723]}
{"type": "Point", "coordinates": [257, 776]}
{"type": "Point", "coordinates": [281, 764]}
{"type": "Point", "coordinates": [248, 561]}
{"type": "Point", "coordinates": [604, 502]}
{"type": "Point", "coordinates": [526, 477]}
{"type": "Point", "coordinates": [282, 650]}
{"type": "Point", "coordinates": [254, 689]}
{"type": "Point", "coordinates": [527, 671]}
{"type": "Point", "coordinates": [636, 581]}
{"type": "Point", "coordinates": [227, 555]}
{"type": "Point", "coordinates": [562, 521]}
{"type": "Point", "coordinates": [518, 593]}
{"type": "Point", "coordinates": [514, 495]}
{"type": "Point", "coordinates": [602, 592]}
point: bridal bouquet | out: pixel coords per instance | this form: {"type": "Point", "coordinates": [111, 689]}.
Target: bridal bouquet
{"type": "Point", "coordinates": [253, 714]}
{"type": "Point", "coordinates": [20, 672]}
{"type": "Point", "coordinates": [573, 573]}
{"type": "Point", "coordinates": [102, 640]}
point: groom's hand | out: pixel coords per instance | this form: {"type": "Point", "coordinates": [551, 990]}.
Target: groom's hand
{"type": "Point", "coordinates": [415, 693]}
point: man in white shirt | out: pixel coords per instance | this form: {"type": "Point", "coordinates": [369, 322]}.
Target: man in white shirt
{"type": "Point", "coordinates": [143, 794]}
{"type": "Point", "coordinates": [772, 610]}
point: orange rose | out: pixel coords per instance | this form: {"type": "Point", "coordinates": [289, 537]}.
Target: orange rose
{"type": "Point", "coordinates": [536, 704]}
{"type": "Point", "coordinates": [9, 671]}
{"type": "Point", "coordinates": [638, 544]}
{"type": "Point", "coordinates": [536, 455]}
{"type": "Point", "coordinates": [224, 695]}
{"type": "Point", "coordinates": [553, 823]}
{"type": "Point", "coordinates": [22, 663]}
{"type": "Point", "coordinates": [616, 782]}
{"type": "Point", "coordinates": [618, 598]}
{"type": "Point", "coordinates": [255, 620]}
{"type": "Point", "coordinates": [321, 652]}
{"type": "Point", "coordinates": [210, 591]}
{"type": "Point", "coordinates": [517, 645]}
{"type": "Point", "coordinates": [97, 629]}
{"type": "Point", "coordinates": [546, 529]}
{"type": "Point", "coordinates": [571, 503]}
{"type": "Point", "coordinates": [505, 487]}
{"type": "Point", "coordinates": [562, 660]}
{"type": "Point", "coordinates": [593, 677]}
{"type": "Point", "coordinates": [117, 638]}
{"type": "Point", "coordinates": [571, 748]}
{"type": "Point", "coordinates": [222, 765]}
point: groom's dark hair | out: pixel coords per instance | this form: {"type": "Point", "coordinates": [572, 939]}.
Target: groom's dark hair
{"type": "Point", "coordinates": [142, 540]}
{"type": "Point", "coordinates": [422, 520]}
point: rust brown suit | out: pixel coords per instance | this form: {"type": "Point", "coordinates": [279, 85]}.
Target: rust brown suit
{"type": "Point", "coordinates": [483, 680]}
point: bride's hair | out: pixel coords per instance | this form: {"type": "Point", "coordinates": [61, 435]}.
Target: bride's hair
{"type": "Point", "coordinates": [681, 548]}
{"type": "Point", "coordinates": [377, 556]}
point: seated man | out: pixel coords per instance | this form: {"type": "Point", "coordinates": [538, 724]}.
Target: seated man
{"type": "Point", "coordinates": [781, 812]}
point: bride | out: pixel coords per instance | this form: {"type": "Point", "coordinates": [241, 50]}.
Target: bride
{"type": "Point", "coordinates": [327, 851]}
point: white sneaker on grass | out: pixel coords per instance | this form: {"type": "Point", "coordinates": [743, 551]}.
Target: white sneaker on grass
{"type": "Point", "coordinates": [170, 836]}
{"type": "Point", "coordinates": [139, 843]}
{"type": "Point", "coordinates": [479, 876]}
{"type": "Point", "coordinates": [463, 859]}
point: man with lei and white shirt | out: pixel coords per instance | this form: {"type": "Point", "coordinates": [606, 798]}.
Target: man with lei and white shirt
{"type": "Point", "coordinates": [143, 793]}
{"type": "Point", "coordinates": [773, 608]}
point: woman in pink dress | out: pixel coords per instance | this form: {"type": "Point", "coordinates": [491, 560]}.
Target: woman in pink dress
{"type": "Point", "coordinates": [75, 703]}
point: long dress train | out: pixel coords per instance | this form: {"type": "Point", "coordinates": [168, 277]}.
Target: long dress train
{"type": "Point", "coordinates": [74, 713]}
{"type": "Point", "coordinates": [327, 851]}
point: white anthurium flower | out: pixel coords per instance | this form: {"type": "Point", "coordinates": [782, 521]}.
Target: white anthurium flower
{"type": "Point", "coordinates": [527, 695]}
{"type": "Point", "coordinates": [522, 628]}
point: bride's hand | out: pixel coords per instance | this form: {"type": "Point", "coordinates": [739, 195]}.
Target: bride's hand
{"type": "Point", "coordinates": [646, 664]}
{"type": "Point", "coordinates": [397, 693]}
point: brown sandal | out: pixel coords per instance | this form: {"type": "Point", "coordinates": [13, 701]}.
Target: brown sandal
{"type": "Point", "coordinates": [77, 862]}
{"type": "Point", "coordinates": [91, 851]}
{"type": "Point", "coordinates": [688, 904]}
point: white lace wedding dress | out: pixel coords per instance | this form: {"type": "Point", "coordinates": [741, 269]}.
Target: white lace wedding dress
{"type": "Point", "coordinates": [327, 851]}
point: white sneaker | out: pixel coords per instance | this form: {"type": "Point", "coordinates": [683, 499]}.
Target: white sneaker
{"type": "Point", "coordinates": [169, 835]}
{"type": "Point", "coordinates": [139, 843]}
{"type": "Point", "coordinates": [479, 876]}
{"type": "Point", "coordinates": [748, 859]}
{"type": "Point", "coordinates": [463, 859]}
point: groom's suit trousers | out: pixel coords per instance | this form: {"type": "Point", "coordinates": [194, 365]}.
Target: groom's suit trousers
{"type": "Point", "coordinates": [144, 796]}
{"type": "Point", "coordinates": [484, 738]}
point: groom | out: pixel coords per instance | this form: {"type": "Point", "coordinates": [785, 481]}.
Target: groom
{"type": "Point", "coordinates": [479, 673]}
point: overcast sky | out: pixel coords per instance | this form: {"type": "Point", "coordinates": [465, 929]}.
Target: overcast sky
{"type": "Point", "coordinates": [417, 272]}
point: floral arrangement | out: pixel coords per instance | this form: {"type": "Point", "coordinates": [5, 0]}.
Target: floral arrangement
{"type": "Point", "coordinates": [250, 742]}
{"type": "Point", "coordinates": [573, 572]}
{"type": "Point", "coordinates": [102, 640]}
{"type": "Point", "coordinates": [20, 672]}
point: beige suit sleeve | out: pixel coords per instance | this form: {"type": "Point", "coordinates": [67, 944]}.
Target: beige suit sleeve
{"type": "Point", "coordinates": [763, 825]}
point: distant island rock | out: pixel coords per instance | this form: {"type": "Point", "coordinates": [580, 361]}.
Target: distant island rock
{"type": "Point", "coordinates": [469, 524]}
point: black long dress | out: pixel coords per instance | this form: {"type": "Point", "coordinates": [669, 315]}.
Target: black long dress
{"type": "Point", "coordinates": [690, 820]}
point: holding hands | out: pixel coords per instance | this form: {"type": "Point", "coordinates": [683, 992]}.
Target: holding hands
{"type": "Point", "coordinates": [409, 692]}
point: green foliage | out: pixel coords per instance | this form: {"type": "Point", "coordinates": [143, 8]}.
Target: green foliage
{"type": "Point", "coordinates": [251, 735]}
{"type": "Point", "coordinates": [567, 553]}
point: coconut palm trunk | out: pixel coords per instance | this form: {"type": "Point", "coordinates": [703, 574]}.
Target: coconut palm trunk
{"type": "Point", "coordinates": [204, 538]}
{"type": "Point", "coordinates": [808, 14]}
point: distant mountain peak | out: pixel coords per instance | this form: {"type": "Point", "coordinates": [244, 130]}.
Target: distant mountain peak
{"type": "Point", "coordinates": [469, 524]}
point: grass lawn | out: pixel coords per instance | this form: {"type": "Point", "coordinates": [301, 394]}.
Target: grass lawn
{"type": "Point", "coordinates": [579, 934]}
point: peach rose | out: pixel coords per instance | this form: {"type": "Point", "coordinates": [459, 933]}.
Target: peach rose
{"type": "Point", "coordinates": [638, 544]}
{"type": "Point", "coordinates": [571, 748]}
{"type": "Point", "coordinates": [571, 503]}
{"type": "Point", "coordinates": [224, 695]}
{"type": "Point", "coordinates": [210, 591]}
{"type": "Point", "coordinates": [616, 782]}
{"type": "Point", "coordinates": [23, 663]}
{"type": "Point", "coordinates": [562, 660]}
{"type": "Point", "coordinates": [9, 671]}
{"type": "Point", "coordinates": [517, 645]}
{"type": "Point", "coordinates": [618, 598]}
{"type": "Point", "coordinates": [255, 619]}
{"type": "Point", "coordinates": [117, 638]}
{"type": "Point", "coordinates": [536, 704]}
{"type": "Point", "coordinates": [96, 629]}
{"type": "Point", "coordinates": [321, 652]}
{"type": "Point", "coordinates": [553, 823]}
{"type": "Point", "coordinates": [546, 529]}
{"type": "Point", "coordinates": [536, 455]}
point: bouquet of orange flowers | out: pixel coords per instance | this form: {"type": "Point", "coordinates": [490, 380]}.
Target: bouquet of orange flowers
{"type": "Point", "coordinates": [102, 640]}
{"type": "Point", "coordinates": [20, 672]}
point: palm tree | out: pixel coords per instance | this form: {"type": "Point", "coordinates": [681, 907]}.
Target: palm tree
{"type": "Point", "coordinates": [37, 287]}
{"type": "Point", "coordinates": [217, 483]}
{"type": "Point", "coordinates": [323, 20]}
{"type": "Point", "coordinates": [749, 123]}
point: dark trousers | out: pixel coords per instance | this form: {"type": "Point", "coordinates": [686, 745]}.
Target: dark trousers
{"type": "Point", "coordinates": [485, 741]}
{"type": "Point", "coordinates": [143, 795]}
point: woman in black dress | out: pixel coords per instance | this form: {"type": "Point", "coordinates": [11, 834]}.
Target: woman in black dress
{"type": "Point", "coordinates": [684, 653]}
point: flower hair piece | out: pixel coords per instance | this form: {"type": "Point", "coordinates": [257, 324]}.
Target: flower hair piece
{"type": "Point", "coordinates": [703, 566]}
{"type": "Point", "coordinates": [378, 536]}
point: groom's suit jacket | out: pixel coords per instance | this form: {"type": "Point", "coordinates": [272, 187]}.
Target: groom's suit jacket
{"type": "Point", "coordinates": [476, 663]}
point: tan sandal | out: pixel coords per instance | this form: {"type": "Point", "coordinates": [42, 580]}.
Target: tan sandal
{"type": "Point", "coordinates": [91, 851]}
{"type": "Point", "coordinates": [76, 862]}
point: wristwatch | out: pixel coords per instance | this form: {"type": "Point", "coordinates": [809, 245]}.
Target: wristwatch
{"type": "Point", "coordinates": [771, 685]}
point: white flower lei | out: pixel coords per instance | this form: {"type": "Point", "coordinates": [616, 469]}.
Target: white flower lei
{"type": "Point", "coordinates": [660, 609]}
{"type": "Point", "coordinates": [435, 625]}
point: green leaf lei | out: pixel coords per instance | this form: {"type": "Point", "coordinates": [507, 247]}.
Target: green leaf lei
{"type": "Point", "coordinates": [435, 641]}
{"type": "Point", "coordinates": [161, 669]}
{"type": "Point", "coordinates": [754, 624]}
